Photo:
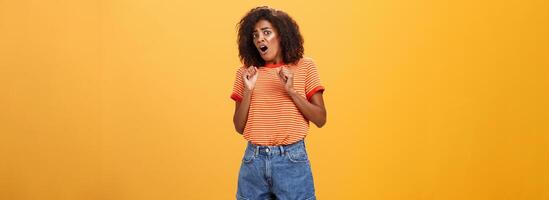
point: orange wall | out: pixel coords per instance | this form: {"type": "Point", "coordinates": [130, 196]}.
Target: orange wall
{"type": "Point", "coordinates": [125, 99]}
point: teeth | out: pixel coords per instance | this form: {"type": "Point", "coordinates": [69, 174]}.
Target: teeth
{"type": "Point", "coordinates": [263, 48]}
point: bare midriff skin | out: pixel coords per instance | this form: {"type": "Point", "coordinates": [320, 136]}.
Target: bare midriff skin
{"type": "Point", "coordinates": [313, 110]}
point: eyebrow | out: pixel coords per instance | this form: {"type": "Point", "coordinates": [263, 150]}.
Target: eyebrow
{"type": "Point", "coordinates": [264, 28]}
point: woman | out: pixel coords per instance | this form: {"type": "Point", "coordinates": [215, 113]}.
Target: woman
{"type": "Point", "coordinates": [277, 92]}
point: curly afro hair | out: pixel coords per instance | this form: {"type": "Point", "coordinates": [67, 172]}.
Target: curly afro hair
{"type": "Point", "coordinates": [291, 41]}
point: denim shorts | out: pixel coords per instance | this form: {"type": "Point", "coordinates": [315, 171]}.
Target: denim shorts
{"type": "Point", "coordinates": [275, 172]}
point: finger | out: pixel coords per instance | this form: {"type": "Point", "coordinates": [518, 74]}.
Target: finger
{"type": "Point", "coordinates": [256, 74]}
{"type": "Point", "coordinates": [287, 71]}
{"type": "Point", "coordinates": [280, 74]}
{"type": "Point", "coordinates": [249, 74]}
{"type": "Point", "coordinates": [284, 71]}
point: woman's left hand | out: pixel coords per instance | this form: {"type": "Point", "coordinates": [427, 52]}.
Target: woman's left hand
{"type": "Point", "coordinates": [287, 77]}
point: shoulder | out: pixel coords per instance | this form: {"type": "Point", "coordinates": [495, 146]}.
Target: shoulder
{"type": "Point", "coordinates": [306, 64]}
{"type": "Point", "coordinates": [305, 61]}
{"type": "Point", "coordinates": [240, 69]}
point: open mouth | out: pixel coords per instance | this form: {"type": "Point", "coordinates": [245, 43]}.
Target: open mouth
{"type": "Point", "coordinates": [263, 48]}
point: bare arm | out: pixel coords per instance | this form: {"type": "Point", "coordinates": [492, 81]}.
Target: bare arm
{"type": "Point", "coordinates": [249, 77]}
{"type": "Point", "coordinates": [315, 110]}
{"type": "Point", "coordinates": [241, 112]}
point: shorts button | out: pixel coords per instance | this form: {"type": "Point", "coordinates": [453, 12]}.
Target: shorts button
{"type": "Point", "coordinates": [266, 150]}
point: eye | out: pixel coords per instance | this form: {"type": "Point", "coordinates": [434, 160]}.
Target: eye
{"type": "Point", "coordinates": [266, 32]}
{"type": "Point", "coordinates": [255, 35]}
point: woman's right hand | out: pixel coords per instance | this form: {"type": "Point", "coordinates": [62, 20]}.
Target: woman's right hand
{"type": "Point", "coordinates": [249, 77]}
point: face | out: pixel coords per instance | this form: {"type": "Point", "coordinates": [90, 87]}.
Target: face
{"type": "Point", "coordinates": [267, 42]}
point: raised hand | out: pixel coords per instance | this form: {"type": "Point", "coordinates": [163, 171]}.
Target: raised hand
{"type": "Point", "coordinates": [249, 77]}
{"type": "Point", "coordinates": [287, 78]}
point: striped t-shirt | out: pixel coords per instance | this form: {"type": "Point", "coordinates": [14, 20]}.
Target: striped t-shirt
{"type": "Point", "coordinates": [273, 118]}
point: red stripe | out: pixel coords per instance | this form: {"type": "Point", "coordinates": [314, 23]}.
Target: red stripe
{"type": "Point", "coordinates": [313, 91]}
{"type": "Point", "coordinates": [236, 97]}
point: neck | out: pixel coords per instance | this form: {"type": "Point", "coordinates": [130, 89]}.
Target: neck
{"type": "Point", "coordinates": [274, 61]}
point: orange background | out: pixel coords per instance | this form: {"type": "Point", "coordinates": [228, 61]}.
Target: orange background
{"type": "Point", "coordinates": [130, 100]}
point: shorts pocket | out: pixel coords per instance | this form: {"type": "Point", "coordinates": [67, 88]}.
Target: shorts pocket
{"type": "Point", "coordinates": [299, 156]}
{"type": "Point", "coordinates": [249, 156]}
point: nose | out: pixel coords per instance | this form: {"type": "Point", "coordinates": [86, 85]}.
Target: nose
{"type": "Point", "coordinates": [260, 38]}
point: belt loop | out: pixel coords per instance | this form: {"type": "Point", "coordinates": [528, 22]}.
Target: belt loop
{"type": "Point", "coordinates": [256, 150]}
{"type": "Point", "coordinates": [281, 150]}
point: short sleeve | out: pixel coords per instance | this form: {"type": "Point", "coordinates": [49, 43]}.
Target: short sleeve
{"type": "Point", "coordinates": [238, 86]}
{"type": "Point", "coordinates": [312, 79]}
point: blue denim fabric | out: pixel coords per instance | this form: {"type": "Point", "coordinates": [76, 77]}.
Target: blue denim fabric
{"type": "Point", "coordinates": [275, 172]}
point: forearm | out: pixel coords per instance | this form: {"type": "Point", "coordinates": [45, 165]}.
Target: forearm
{"type": "Point", "coordinates": [314, 113]}
{"type": "Point", "coordinates": [241, 114]}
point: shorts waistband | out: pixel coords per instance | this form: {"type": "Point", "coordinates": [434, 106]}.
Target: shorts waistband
{"type": "Point", "coordinates": [279, 149]}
